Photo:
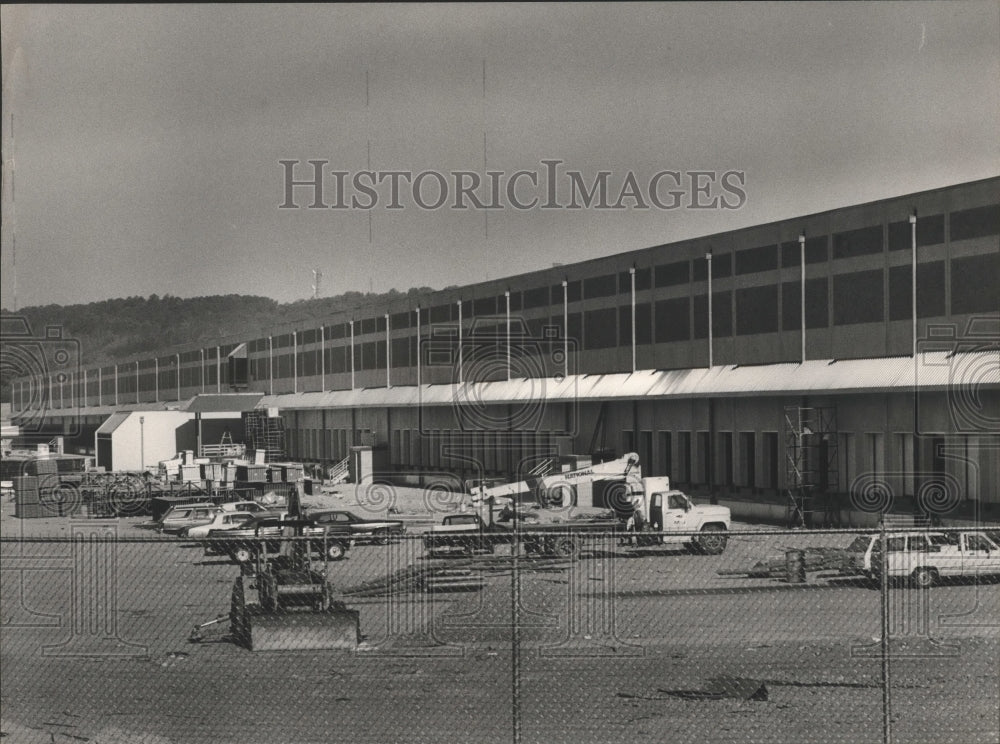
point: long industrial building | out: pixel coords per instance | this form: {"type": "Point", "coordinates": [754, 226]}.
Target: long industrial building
{"type": "Point", "coordinates": [776, 368]}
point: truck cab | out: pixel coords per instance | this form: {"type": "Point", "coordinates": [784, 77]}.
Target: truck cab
{"type": "Point", "coordinates": [673, 516]}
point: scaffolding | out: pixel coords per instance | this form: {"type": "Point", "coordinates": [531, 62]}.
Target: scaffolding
{"type": "Point", "coordinates": [811, 466]}
{"type": "Point", "coordinates": [265, 434]}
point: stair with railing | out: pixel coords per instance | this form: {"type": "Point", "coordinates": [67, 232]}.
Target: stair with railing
{"type": "Point", "coordinates": [340, 472]}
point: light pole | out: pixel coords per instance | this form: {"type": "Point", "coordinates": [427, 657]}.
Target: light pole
{"type": "Point", "coordinates": [142, 443]}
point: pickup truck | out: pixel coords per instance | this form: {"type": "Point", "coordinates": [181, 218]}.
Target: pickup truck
{"type": "Point", "coordinates": [466, 534]}
{"type": "Point", "coordinates": [670, 517]}
{"type": "Point", "coordinates": [463, 534]}
{"type": "Point", "coordinates": [243, 544]}
{"type": "Point", "coordinates": [927, 558]}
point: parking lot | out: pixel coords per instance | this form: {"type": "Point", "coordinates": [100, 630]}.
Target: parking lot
{"type": "Point", "coordinates": [647, 645]}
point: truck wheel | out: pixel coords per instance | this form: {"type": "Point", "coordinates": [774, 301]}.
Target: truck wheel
{"type": "Point", "coordinates": [924, 578]}
{"type": "Point", "coordinates": [565, 547]}
{"type": "Point", "coordinates": [242, 555]}
{"type": "Point", "coordinates": [335, 551]}
{"type": "Point", "coordinates": [712, 540]}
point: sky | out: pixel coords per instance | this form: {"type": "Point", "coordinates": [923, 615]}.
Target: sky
{"type": "Point", "coordinates": [142, 144]}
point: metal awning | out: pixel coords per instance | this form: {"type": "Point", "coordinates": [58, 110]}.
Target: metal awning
{"type": "Point", "coordinates": [929, 371]}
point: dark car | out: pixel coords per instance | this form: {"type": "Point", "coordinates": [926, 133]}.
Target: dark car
{"type": "Point", "coordinates": [374, 530]}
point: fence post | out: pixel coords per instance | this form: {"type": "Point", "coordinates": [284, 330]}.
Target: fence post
{"type": "Point", "coordinates": [884, 595]}
{"type": "Point", "coordinates": [515, 634]}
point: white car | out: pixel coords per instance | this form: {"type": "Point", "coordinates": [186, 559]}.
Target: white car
{"type": "Point", "coordinates": [225, 520]}
{"type": "Point", "coordinates": [243, 506]}
{"type": "Point", "coordinates": [182, 516]}
{"type": "Point", "coordinates": [926, 558]}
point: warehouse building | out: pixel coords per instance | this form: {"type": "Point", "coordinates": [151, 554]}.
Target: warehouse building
{"type": "Point", "coordinates": [777, 368]}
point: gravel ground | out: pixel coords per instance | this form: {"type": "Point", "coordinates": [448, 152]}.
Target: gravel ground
{"type": "Point", "coordinates": [614, 645]}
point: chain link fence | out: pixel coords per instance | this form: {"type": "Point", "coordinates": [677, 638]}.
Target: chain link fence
{"type": "Point", "coordinates": [113, 635]}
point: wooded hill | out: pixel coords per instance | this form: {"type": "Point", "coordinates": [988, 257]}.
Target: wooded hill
{"type": "Point", "coordinates": [112, 330]}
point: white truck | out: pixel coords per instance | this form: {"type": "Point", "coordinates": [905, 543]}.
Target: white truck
{"type": "Point", "coordinates": [646, 511]}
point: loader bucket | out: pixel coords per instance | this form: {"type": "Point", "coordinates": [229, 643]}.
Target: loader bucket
{"type": "Point", "coordinates": [288, 630]}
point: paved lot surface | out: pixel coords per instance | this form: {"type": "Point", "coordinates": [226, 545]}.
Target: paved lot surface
{"type": "Point", "coordinates": [615, 646]}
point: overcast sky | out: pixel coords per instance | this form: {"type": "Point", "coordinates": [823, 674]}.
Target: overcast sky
{"type": "Point", "coordinates": [147, 139]}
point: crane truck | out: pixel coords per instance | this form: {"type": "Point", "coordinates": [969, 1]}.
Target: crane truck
{"type": "Point", "coordinates": [566, 507]}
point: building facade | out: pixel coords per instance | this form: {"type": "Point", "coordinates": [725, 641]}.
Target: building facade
{"type": "Point", "coordinates": [706, 356]}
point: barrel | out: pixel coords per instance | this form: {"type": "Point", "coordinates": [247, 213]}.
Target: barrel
{"type": "Point", "coordinates": [795, 566]}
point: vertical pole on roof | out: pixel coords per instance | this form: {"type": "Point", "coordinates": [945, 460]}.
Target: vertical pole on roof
{"type": "Point", "coordinates": [201, 358]}
{"type": "Point", "coordinates": [156, 379]}
{"type": "Point", "coordinates": [711, 359]}
{"type": "Point", "coordinates": [322, 359]}
{"type": "Point", "coordinates": [388, 353]}
{"type": "Point", "coordinates": [459, 303]}
{"type": "Point", "coordinates": [351, 324]}
{"type": "Point", "coordinates": [565, 286]}
{"type": "Point", "coordinates": [218, 369]}
{"type": "Point", "coordinates": [178, 380]}
{"type": "Point", "coordinates": [631, 276]}
{"type": "Point", "coordinates": [136, 380]}
{"type": "Point", "coordinates": [418, 349]}
{"type": "Point", "coordinates": [116, 385]}
{"type": "Point", "coordinates": [913, 309]}
{"type": "Point", "coordinates": [295, 361]}
{"type": "Point", "coordinates": [506, 296]}
{"type": "Point", "coordinates": [270, 365]}
{"type": "Point", "coordinates": [100, 386]}
{"type": "Point", "coordinates": [913, 277]}
{"type": "Point", "coordinates": [85, 390]}
{"type": "Point", "coordinates": [802, 292]}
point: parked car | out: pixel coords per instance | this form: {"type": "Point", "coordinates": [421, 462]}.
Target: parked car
{"type": "Point", "coordinates": [860, 552]}
{"type": "Point", "coordinates": [374, 530]}
{"type": "Point", "coordinates": [223, 521]}
{"type": "Point", "coordinates": [927, 558]}
{"type": "Point", "coordinates": [187, 515]}
{"type": "Point", "coordinates": [243, 506]}
{"type": "Point", "coordinates": [858, 559]}
{"type": "Point", "coordinates": [243, 542]}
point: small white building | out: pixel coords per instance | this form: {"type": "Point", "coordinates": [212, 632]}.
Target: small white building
{"type": "Point", "coordinates": [139, 439]}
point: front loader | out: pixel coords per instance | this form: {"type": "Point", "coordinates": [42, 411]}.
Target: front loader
{"type": "Point", "coordinates": [287, 602]}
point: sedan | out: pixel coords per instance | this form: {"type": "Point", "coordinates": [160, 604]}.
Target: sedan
{"type": "Point", "coordinates": [359, 528]}
{"type": "Point", "coordinates": [224, 521]}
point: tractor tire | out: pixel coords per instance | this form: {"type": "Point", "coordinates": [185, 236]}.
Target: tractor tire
{"type": "Point", "coordinates": [713, 539]}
